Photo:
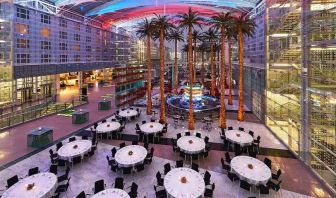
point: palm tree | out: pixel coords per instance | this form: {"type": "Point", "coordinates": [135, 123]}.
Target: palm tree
{"type": "Point", "coordinates": [211, 35]}
{"type": "Point", "coordinates": [202, 48]}
{"type": "Point", "coordinates": [217, 49]}
{"type": "Point", "coordinates": [222, 21]}
{"type": "Point", "coordinates": [245, 27]}
{"type": "Point", "coordinates": [230, 34]}
{"type": "Point", "coordinates": [145, 30]}
{"type": "Point", "coordinates": [175, 35]}
{"type": "Point", "coordinates": [189, 21]}
{"type": "Point", "coordinates": [195, 37]}
{"type": "Point", "coordinates": [163, 26]}
{"type": "Point", "coordinates": [185, 49]}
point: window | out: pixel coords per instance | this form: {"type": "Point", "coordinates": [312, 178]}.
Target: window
{"type": "Point", "coordinates": [88, 58]}
{"type": "Point", "coordinates": [63, 46]}
{"type": "Point", "coordinates": [63, 35]}
{"type": "Point", "coordinates": [76, 47]}
{"type": "Point", "coordinates": [77, 37]}
{"type": "Point", "coordinates": [88, 29]}
{"type": "Point", "coordinates": [98, 32]}
{"type": "Point", "coordinates": [46, 45]}
{"type": "Point", "coordinates": [63, 58]}
{"type": "Point", "coordinates": [22, 58]}
{"type": "Point", "coordinates": [77, 26]}
{"type": "Point", "coordinates": [97, 58]}
{"type": "Point", "coordinates": [22, 13]}
{"type": "Point", "coordinates": [45, 18]}
{"type": "Point", "coordinates": [88, 48]}
{"type": "Point", "coordinates": [45, 32]}
{"type": "Point", "coordinates": [45, 58]}
{"type": "Point", "coordinates": [76, 58]}
{"type": "Point", "coordinates": [22, 43]}
{"type": "Point", "coordinates": [63, 23]}
{"type": "Point", "coordinates": [22, 28]}
{"type": "Point", "coordinates": [88, 39]}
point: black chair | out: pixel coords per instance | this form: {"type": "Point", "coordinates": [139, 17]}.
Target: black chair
{"type": "Point", "coordinates": [140, 167]}
{"type": "Point", "coordinates": [33, 171]}
{"type": "Point", "coordinates": [277, 175]}
{"type": "Point", "coordinates": [149, 158]}
{"type": "Point", "coordinates": [62, 188]}
{"type": "Point", "coordinates": [244, 185]}
{"type": "Point", "coordinates": [11, 181]}
{"type": "Point", "coordinates": [240, 128]}
{"type": "Point", "coordinates": [122, 145]}
{"type": "Point", "coordinates": [134, 190]}
{"type": "Point", "coordinates": [160, 192]}
{"type": "Point", "coordinates": [159, 179]}
{"type": "Point", "coordinates": [227, 157]}
{"type": "Point", "coordinates": [274, 186]}
{"type": "Point", "coordinates": [99, 186]}
{"type": "Point", "coordinates": [114, 166]}
{"type": "Point", "coordinates": [198, 135]}
{"type": "Point", "coordinates": [72, 139]}
{"type": "Point", "coordinates": [103, 121]}
{"type": "Point", "coordinates": [175, 147]}
{"type": "Point", "coordinates": [194, 166]}
{"type": "Point", "coordinates": [251, 133]}
{"type": "Point", "coordinates": [179, 164]}
{"type": "Point", "coordinates": [268, 162]}
{"type": "Point", "coordinates": [167, 168]}
{"type": "Point", "coordinates": [237, 149]}
{"type": "Point", "coordinates": [256, 142]}
{"type": "Point", "coordinates": [76, 160]}
{"type": "Point", "coordinates": [208, 193]}
{"type": "Point", "coordinates": [52, 154]}
{"type": "Point", "coordinates": [207, 177]}
{"type": "Point", "coordinates": [233, 177]}
{"type": "Point", "coordinates": [264, 189]}
{"type": "Point", "coordinates": [178, 135]}
{"type": "Point", "coordinates": [144, 122]}
{"type": "Point", "coordinates": [65, 176]}
{"type": "Point", "coordinates": [85, 137]}
{"type": "Point", "coordinates": [230, 128]}
{"type": "Point", "coordinates": [59, 145]}
{"type": "Point", "coordinates": [146, 145]}
{"type": "Point", "coordinates": [226, 167]}
{"type": "Point", "coordinates": [135, 142]}
{"type": "Point", "coordinates": [81, 195]}
{"type": "Point", "coordinates": [187, 133]}
{"type": "Point", "coordinates": [113, 151]}
{"type": "Point", "coordinates": [53, 169]}
{"type": "Point", "coordinates": [119, 183]}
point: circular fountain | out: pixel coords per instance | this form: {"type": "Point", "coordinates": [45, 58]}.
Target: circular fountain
{"type": "Point", "coordinates": [203, 105]}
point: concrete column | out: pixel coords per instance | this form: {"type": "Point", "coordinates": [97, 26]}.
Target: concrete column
{"type": "Point", "coordinates": [57, 83]}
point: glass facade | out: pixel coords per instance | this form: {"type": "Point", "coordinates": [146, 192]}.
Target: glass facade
{"type": "Point", "coordinates": [301, 74]}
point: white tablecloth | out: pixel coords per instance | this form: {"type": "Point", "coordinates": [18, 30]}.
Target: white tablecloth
{"type": "Point", "coordinates": [128, 113]}
{"type": "Point", "coordinates": [260, 174]}
{"type": "Point", "coordinates": [151, 127]}
{"type": "Point", "coordinates": [108, 127]}
{"type": "Point", "coordinates": [111, 193]}
{"type": "Point", "coordinates": [196, 146]}
{"type": "Point", "coordinates": [45, 185]}
{"type": "Point", "coordinates": [244, 139]}
{"type": "Point", "coordinates": [67, 151]}
{"type": "Point", "coordinates": [194, 186]}
{"type": "Point", "coordinates": [124, 159]}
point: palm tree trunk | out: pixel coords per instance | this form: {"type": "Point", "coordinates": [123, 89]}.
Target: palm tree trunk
{"type": "Point", "coordinates": [202, 70]}
{"type": "Point", "coordinates": [149, 78]}
{"type": "Point", "coordinates": [162, 97]}
{"type": "Point", "coordinates": [240, 116]}
{"type": "Point", "coordinates": [230, 73]}
{"type": "Point", "coordinates": [191, 122]}
{"type": "Point", "coordinates": [213, 84]}
{"type": "Point", "coordinates": [222, 119]}
{"type": "Point", "coordinates": [194, 59]}
{"type": "Point", "coordinates": [175, 70]}
{"type": "Point", "coordinates": [218, 65]}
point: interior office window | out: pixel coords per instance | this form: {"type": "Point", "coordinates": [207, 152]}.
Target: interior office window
{"type": "Point", "coordinates": [88, 29]}
{"type": "Point", "coordinates": [88, 39]}
{"type": "Point", "coordinates": [45, 18]}
{"type": "Point", "coordinates": [76, 58]}
{"type": "Point", "coordinates": [22, 43]}
{"type": "Point", "coordinates": [22, 28]}
{"type": "Point", "coordinates": [63, 46]}
{"type": "Point", "coordinates": [76, 47]}
{"type": "Point", "coordinates": [22, 58]}
{"type": "Point", "coordinates": [45, 58]}
{"type": "Point", "coordinates": [88, 58]}
{"type": "Point", "coordinates": [76, 37]}
{"type": "Point", "coordinates": [63, 35]}
{"type": "Point", "coordinates": [63, 23]}
{"type": "Point", "coordinates": [77, 26]}
{"type": "Point", "coordinates": [22, 13]}
{"type": "Point", "coordinates": [46, 45]}
{"type": "Point", "coordinates": [45, 32]}
{"type": "Point", "coordinates": [63, 58]}
{"type": "Point", "coordinates": [88, 48]}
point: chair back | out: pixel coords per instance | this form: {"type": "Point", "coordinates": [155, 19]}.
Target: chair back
{"type": "Point", "coordinates": [123, 144]}
{"type": "Point", "coordinates": [81, 195]}
{"type": "Point", "coordinates": [134, 187]}
{"type": "Point", "coordinates": [113, 151]}
{"type": "Point", "coordinates": [59, 145]}
{"type": "Point", "coordinates": [53, 169]}
{"type": "Point", "coordinates": [179, 163]}
{"type": "Point", "coordinates": [167, 168]}
{"type": "Point", "coordinates": [198, 135]}
{"type": "Point", "coordinates": [240, 128]}
{"type": "Point", "coordinates": [187, 133]}
{"type": "Point", "coordinates": [230, 128]}
{"type": "Point", "coordinates": [178, 135]}
{"type": "Point", "coordinates": [99, 186]}
{"type": "Point", "coordinates": [33, 171]}
{"type": "Point", "coordinates": [268, 162]}
{"type": "Point", "coordinates": [11, 181]}
{"type": "Point", "coordinates": [135, 142]}
{"type": "Point", "coordinates": [119, 183]}
{"type": "Point", "coordinates": [194, 166]}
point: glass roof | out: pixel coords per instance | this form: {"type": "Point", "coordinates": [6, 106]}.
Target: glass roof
{"type": "Point", "coordinates": [125, 11]}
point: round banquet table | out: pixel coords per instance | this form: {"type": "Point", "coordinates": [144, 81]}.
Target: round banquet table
{"type": "Point", "coordinates": [239, 137]}
{"type": "Point", "coordinates": [124, 159]}
{"type": "Point", "coordinates": [128, 113]}
{"type": "Point", "coordinates": [45, 185]}
{"type": "Point", "coordinates": [191, 144]}
{"type": "Point", "coordinates": [151, 127]}
{"type": "Point", "coordinates": [258, 174]}
{"type": "Point", "coordinates": [193, 187]}
{"type": "Point", "coordinates": [107, 127]}
{"type": "Point", "coordinates": [111, 192]}
{"type": "Point", "coordinates": [67, 151]}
